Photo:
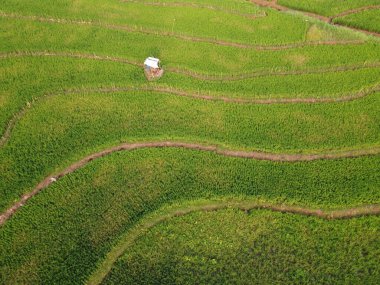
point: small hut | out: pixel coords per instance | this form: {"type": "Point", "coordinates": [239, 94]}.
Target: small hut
{"type": "Point", "coordinates": [152, 68]}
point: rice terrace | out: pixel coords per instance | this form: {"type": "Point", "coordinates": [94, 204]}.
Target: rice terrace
{"type": "Point", "coordinates": [189, 142]}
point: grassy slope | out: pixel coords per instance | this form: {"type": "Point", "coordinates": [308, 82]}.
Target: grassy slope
{"type": "Point", "coordinates": [75, 222]}
{"type": "Point", "coordinates": [259, 248]}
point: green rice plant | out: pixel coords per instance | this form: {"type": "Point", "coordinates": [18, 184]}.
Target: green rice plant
{"type": "Point", "coordinates": [199, 57]}
{"type": "Point", "coordinates": [165, 19]}
{"type": "Point", "coordinates": [23, 81]}
{"type": "Point", "coordinates": [54, 74]}
{"type": "Point", "coordinates": [71, 84]}
{"type": "Point", "coordinates": [64, 128]}
{"type": "Point", "coordinates": [239, 5]}
{"type": "Point", "coordinates": [233, 247]}
{"type": "Point", "coordinates": [64, 233]}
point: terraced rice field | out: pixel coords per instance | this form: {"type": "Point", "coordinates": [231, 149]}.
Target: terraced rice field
{"type": "Point", "coordinates": [255, 159]}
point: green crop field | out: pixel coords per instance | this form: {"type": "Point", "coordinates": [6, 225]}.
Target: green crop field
{"type": "Point", "coordinates": [306, 248]}
{"type": "Point", "coordinates": [254, 159]}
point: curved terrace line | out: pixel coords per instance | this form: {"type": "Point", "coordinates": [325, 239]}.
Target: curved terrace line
{"type": "Point", "coordinates": [140, 229]}
{"type": "Point", "coordinates": [142, 30]}
{"type": "Point", "coordinates": [257, 155]}
{"type": "Point", "coordinates": [182, 93]}
{"type": "Point", "coordinates": [193, 74]}
{"type": "Point", "coordinates": [199, 6]}
{"type": "Point", "coordinates": [355, 11]}
{"type": "Point", "coordinates": [329, 20]}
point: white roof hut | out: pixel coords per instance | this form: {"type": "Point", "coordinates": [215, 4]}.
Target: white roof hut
{"type": "Point", "coordinates": [152, 62]}
{"type": "Point", "coordinates": [152, 68]}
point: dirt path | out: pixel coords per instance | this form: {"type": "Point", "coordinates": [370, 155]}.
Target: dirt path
{"type": "Point", "coordinates": [329, 20]}
{"type": "Point", "coordinates": [200, 6]}
{"type": "Point", "coordinates": [197, 75]}
{"type": "Point", "coordinates": [140, 229]}
{"type": "Point", "coordinates": [142, 30]}
{"type": "Point", "coordinates": [198, 95]}
{"type": "Point", "coordinates": [192, 146]}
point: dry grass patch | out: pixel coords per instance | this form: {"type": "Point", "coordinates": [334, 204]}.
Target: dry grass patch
{"type": "Point", "coordinates": [297, 59]}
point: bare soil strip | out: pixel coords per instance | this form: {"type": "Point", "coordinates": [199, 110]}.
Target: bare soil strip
{"type": "Point", "coordinates": [200, 6]}
{"type": "Point", "coordinates": [355, 11]}
{"type": "Point", "coordinates": [258, 155]}
{"type": "Point", "coordinates": [140, 229]}
{"type": "Point", "coordinates": [274, 5]}
{"type": "Point", "coordinates": [196, 75]}
{"type": "Point", "coordinates": [135, 29]}
{"type": "Point", "coordinates": [177, 92]}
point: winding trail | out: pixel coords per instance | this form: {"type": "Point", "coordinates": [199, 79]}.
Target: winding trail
{"type": "Point", "coordinates": [194, 74]}
{"type": "Point", "coordinates": [274, 5]}
{"type": "Point", "coordinates": [140, 229]}
{"type": "Point", "coordinates": [183, 93]}
{"type": "Point", "coordinates": [141, 30]}
{"type": "Point", "coordinates": [257, 155]}
{"type": "Point", "coordinates": [200, 6]}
